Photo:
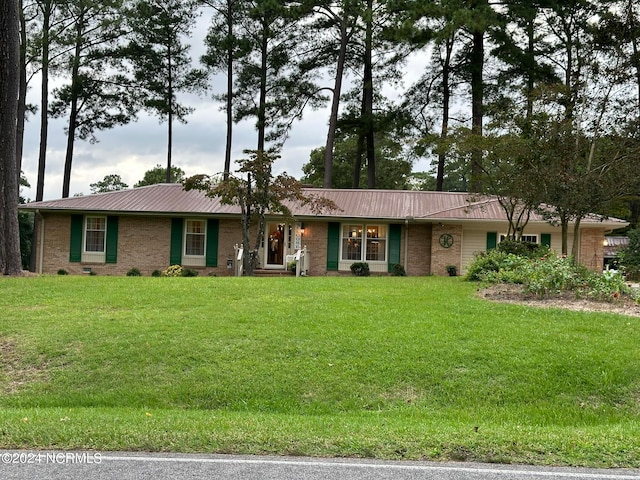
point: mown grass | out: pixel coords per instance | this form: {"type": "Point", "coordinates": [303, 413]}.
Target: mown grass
{"type": "Point", "coordinates": [390, 367]}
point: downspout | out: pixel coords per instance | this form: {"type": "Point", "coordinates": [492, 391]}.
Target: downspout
{"type": "Point", "coordinates": [41, 249]}
{"type": "Point", "coordinates": [406, 243]}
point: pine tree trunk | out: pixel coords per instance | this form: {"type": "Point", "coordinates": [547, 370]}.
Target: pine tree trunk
{"type": "Point", "coordinates": [446, 101]}
{"type": "Point", "coordinates": [227, 152]}
{"type": "Point", "coordinates": [477, 100]}
{"type": "Point", "coordinates": [368, 99]}
{"type": "Point", "coordinates": [170, 114]}
{"type": "Point", "coordinates": [335, 105]}
{"type": "Point", "coordinates": [10, 261]}
{"type": "Point", "coordinates": [44, 100]}
{"type": "Point", "coordinates": [261, 123]}
{"type": "Point", "coordinates": [22, 96]}
{"type": "Point", "coordinates": [73, 115]}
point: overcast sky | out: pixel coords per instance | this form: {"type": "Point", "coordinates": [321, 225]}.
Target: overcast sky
{"type": "Point", "coordinates": [198, 146]}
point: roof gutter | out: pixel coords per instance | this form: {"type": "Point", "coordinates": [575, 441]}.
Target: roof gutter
{"type": "Point", "coordinates": [41, 249]}
{"type": "Point", "coordinates": [406, 242]}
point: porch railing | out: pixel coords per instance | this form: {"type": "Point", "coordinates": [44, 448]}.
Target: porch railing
{"type": "Point", "coordinates": [301, 258]}
{"type": "Point", "coordinates": [239, 264]}
{"type": "Point", "coordinates": [302, 262]}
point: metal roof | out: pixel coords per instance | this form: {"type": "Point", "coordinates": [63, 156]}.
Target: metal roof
{"type": "Point", "coordinates": [613, 245]}
{"type": "Point", "coordinates": [172, 199]}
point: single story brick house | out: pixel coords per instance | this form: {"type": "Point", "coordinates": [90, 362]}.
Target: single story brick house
{"type": "Point", "coordinates": [153, 227]}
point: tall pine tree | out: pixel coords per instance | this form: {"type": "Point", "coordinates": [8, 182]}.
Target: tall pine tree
{"type": "Point", "coordinates": [161, 65]}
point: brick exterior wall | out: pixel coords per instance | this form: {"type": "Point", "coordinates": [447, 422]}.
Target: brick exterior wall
{"type": "Point", "coordinates": [315, 239]}
{"type": "Point", "coordinates": [592, 248]}
{"type": "Point", "coordinates": [57, 235]}
{"type": "Point", "coordinates": [441, 257]}
{"type": "Point", "coordinates": [143, 243]}
{"type": "Point", "coordinates": [419, 261]}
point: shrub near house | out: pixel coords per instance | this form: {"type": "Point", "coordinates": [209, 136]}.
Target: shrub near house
{"type": "Point", "coordinates": [544, 273]}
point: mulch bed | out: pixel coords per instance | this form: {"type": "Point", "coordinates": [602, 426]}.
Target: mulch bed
{"type": "Point", "coordinates": [513, 294]}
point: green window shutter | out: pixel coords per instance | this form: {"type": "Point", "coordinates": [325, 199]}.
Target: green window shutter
{"type": "Point", "coordinates": [213, 227]}
{"type": "Point", "coordinates": [492, 240]}
{"type": "Point", "coordinates": [111, 255]}
{"type": "Point", "coordinates": [545, 239]}
{"type": "Point", "coordinates": [395, 234]}
{"type": "Point", "coordinates": [175, 251]}
{"type": "Point", "coordinates": [75, 245]}
{"type": "Point", "coordinates": [333, 246]}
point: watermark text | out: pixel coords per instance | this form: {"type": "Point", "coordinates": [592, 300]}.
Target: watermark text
{"type": "Point", "coordinates": [64, 458]}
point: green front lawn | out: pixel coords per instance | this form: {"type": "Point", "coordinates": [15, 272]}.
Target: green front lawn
{"type": "Point", "coordinates": [390, 367]}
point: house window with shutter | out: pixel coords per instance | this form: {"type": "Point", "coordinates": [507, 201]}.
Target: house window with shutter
{"type": "Point", "coordinates": [95, 234]}
{"type": "Point", "coordinates": [195, 235]}
{"type": "Point", "coordinates": [194, 242]}
{"type": "Point", "coordinates": [523, 238]}
{"type": "Point", "coordinates": [364, 243]}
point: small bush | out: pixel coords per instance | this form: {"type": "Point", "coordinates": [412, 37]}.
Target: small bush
{"type": "Point", "coordinates": [188, 272]}
{"type": "Point", "coordinates": [156, 273]}
{"type": "Point", "coordinates": [551, 274]}
{"type": "Point", "coordinates": [493, 264]}
{"type": "Point", "coordinates": [62, 271]}
{"type": "Point", "coordinates": [134, 272]}
{"type": "Point", "coordinates": [360, 269]}
{"type": "Point", "coordinates": [173, 271]}
{"type": "Point", "coordinates": [523, 249]}
{"type": "Point", "coordinates": [398, 270]}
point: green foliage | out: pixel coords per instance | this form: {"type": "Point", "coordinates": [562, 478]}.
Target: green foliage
{"type": "Point", "coordinates": [156, 273]}
{"type": "Point", "coordinates": [360, 269]}
{"type": "Point", "coordinates": [398, 270]}
{"type": "Point", "coordinates": [161, 64]}
{"type": "Point", "coordinates": [134, 272]}
{"type": "Point", "coordinates": [552, 275]}
{"type": "Point", "coordinates": [393, 170]}
{"type": "Point", "coordinates": [523, 249]}
{"type": "Point", "coordinates": [496, 266]}
{"type": "Point", "coordinates": [275, 75]}
{"type": "Point", "coordinates": [629, 257]}
{"type": "Point", "coordinates": [189, 272]}
{"type": "Point", "coordinates": [547, 275]}
{"type": "Point", "coordinates": [158, 174]}
{"type": "Point", "coordinates": [110, 183]}
{"type": "Point", "coordinates": [62, 271]}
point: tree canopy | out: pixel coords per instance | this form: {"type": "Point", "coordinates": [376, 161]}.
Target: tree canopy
{"type": "Point", "coordinates": [548, 85]}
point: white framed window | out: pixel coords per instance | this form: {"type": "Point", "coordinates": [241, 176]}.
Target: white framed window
{"type": "Point", "coordinates": [524, 238]}
{"type": "Point", "coordinates": [195, 234]}
{"type": "Point", "coordinates": [95, 234]}
{"type": "Point", "coordinates": [364, 243]}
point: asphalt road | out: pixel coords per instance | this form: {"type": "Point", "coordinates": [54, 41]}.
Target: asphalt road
{"type": "Point", "coordinates": [35, 465]}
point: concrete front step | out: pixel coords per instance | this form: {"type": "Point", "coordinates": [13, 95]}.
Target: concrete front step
{"type": "Point", "coordinates": [260, 272]}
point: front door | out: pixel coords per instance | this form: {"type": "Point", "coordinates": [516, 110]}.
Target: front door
{"type": "Point", "coordinates": [276, 238]}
